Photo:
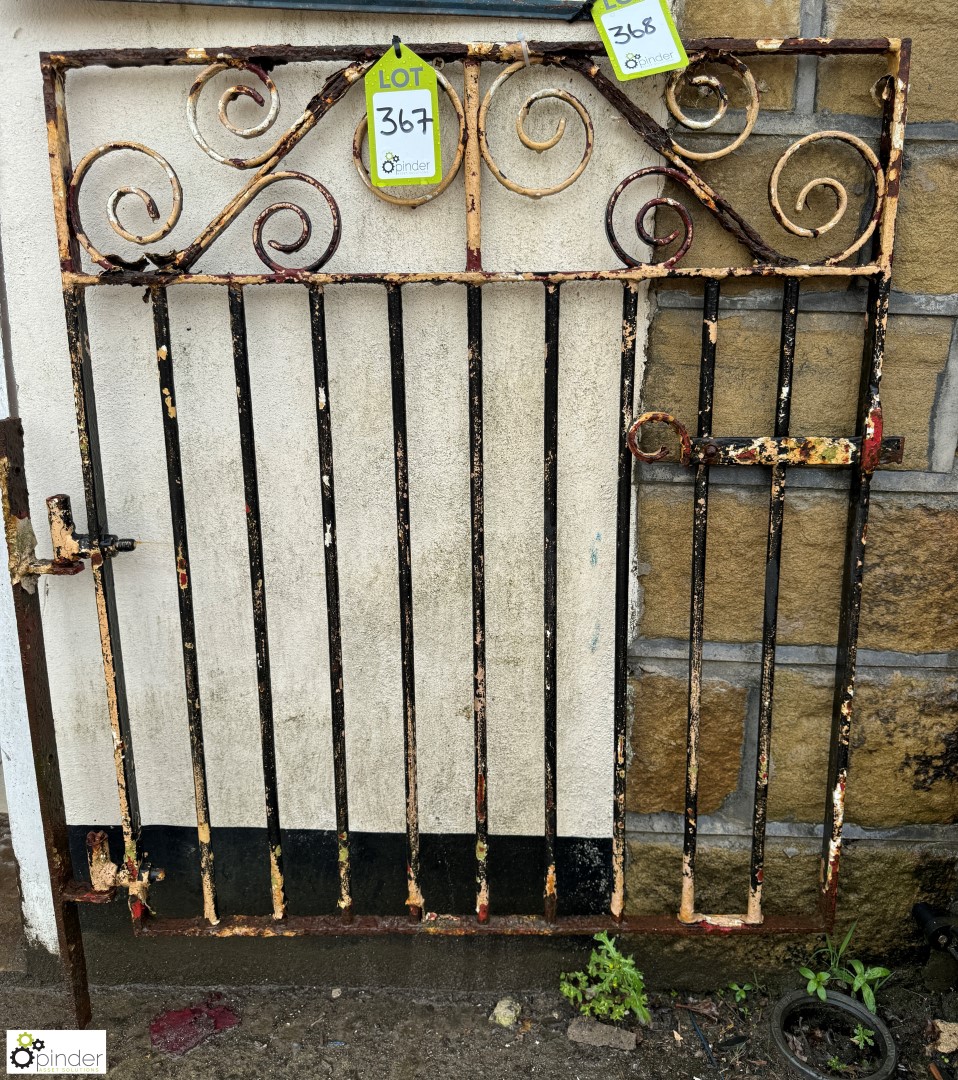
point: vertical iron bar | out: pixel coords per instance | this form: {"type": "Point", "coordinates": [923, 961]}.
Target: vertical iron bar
{"type": "Point", "coordinates": [472, 173]}
{"type": "Point", "coordinates": [36, 689]}
{"type": "Point", "coordinates": [477, 508]}
{"type": "Point", "coordinates": [776, 513]}
{"type": "Point", "coordinates": [550, 583]}
{"type": "Point", "coordinates": [254, 537]}
{"type": "Point", "coordinates": [870, 428]}
{"type": "Point", "coordinates": [697, 613]}
{"type": "Point", "coordinates": [191, 674]}
{"type": "Point", "coordinates": [324, 429]}
{"type": "Point", "coordinates": [398, 370]}
{"type": "Point", "coordinates": [630, 300]}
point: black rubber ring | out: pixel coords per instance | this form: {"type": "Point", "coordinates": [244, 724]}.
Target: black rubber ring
{"type": "Point", "coordinates": [798, 999]}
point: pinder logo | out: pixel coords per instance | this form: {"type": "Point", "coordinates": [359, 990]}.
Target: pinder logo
{"type": "Point", "coordinates": [51, 1052]}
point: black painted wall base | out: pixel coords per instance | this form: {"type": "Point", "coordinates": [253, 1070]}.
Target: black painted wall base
{"type": "Point", "coordinates": [447, 874]}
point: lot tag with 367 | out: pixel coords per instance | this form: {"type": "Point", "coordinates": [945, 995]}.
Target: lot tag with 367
{"type": "Point", "coordinates": [639, 36]}
{"type": "Point", "coordinates": [402, 109]}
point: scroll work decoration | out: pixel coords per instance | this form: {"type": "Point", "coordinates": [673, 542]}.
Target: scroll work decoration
{"type": "Point", "coordinates": [836, 186]}
{"type": "Point", "coordinates": [713, 86]}
{"type": "Point", "coordinates": [233, 93]}
{"type": "Point", "coordinates": [265, 95]}
{"type": "Point", "coordinates": [114, 262]}
{"type": "Point", "coordinates": [683, 174]}
{"type": "Point", "coordinates": [532, 144]}
{"type": "Point", "coordinates": [274, 154]}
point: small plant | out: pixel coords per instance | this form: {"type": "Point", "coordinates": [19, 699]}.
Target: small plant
{"type": "Point", "coordinates": [849, 973]}
{"type": "Point", "coordinates": [865, 981]}
{"type": "Point", "coordinates": [816, 981]}
{"type": "Point", "coordinates": [837, 1065]}
{"type": "Point", "coordinates": [863, 1036]}
{"type": "Point", "coordinates": [741, 992]}
{"type": "Point", "coordinates": [611, 986]}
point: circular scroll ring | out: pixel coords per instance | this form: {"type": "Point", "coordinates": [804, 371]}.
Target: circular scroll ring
{"type": "Point", "coordinates": [527, 140]}
{"type": "Point", "coordinates": [306, 229]}
{"type": "Point", "coordinates": [841, 194]}
{"type": "Point", "coordinates": [663, 452]}
{"type": "Point", "coordinates": [360, 137]}
{"type": "Point", "coordinates": [228, 96]}
{"type": "Point", "coordinates": [116, 197]}
{"type": "Point", "coordinates": [645, 209]}
{"type": "Point", "coordinates": [716, 86]}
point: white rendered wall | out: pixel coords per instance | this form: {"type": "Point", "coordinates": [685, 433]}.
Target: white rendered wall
{"type": "Point", "coordinates": [18, 788]}
{"type": "Point", "coordinates": [565, 231]}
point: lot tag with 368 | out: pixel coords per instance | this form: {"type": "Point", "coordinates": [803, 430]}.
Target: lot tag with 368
{"type": "Point", "coordinates": [639, 36]}
{"type": "Point", "coordinates": [402, 108]}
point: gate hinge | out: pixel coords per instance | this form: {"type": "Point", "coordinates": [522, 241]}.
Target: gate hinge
{"type": "Point", "coordinates": [69, 546]}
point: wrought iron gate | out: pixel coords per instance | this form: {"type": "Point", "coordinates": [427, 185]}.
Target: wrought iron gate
{"type": "Point", "coordinates": [84, 267]}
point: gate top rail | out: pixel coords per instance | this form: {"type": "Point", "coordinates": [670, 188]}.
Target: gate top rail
{"type": "Point", "coordinates": [680, 164]}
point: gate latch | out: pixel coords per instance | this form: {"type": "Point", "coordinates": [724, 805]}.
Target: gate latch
{"type": "Point", "coordinates": [70, 548]}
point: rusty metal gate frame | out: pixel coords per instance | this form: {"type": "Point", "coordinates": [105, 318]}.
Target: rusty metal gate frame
{"type": "Point", "coordinates": [861, 453]}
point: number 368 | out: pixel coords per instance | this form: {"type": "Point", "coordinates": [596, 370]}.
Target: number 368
{"type": "Point", "coordinates": [624, 34]}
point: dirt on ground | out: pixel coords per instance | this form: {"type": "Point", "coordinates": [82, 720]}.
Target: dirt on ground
{"type": "Point", "coordinates": [368, 1035]}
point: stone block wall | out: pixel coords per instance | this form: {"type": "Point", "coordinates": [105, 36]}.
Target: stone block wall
{"type": "Point", "coordinates": [902, 796]}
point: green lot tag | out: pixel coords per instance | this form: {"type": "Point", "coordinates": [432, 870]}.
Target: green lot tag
{"type": "Point", "coordinates": [639, 36]}
{"type": "Point", "coordinates": [402, 108]}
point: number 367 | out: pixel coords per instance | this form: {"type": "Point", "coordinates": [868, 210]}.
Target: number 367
{"type": "Point", "coordinates": [389, 124]}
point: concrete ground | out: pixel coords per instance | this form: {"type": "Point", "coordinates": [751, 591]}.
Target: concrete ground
{"type": "Point", "coordinates": [417, 1035]}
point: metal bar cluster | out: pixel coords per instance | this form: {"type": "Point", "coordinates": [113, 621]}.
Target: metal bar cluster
{"type": "Point", "coordinates": [861, 453]}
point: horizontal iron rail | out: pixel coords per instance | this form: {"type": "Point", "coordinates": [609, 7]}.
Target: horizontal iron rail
{"type": "Point", "coordinates": [496, 52]}
{"type": "Point", "coordinates": [466, 925]}
{"type": "Point", "coordinates": [783, 450]}
{"type": "Point", "coordinates": [474, 277]}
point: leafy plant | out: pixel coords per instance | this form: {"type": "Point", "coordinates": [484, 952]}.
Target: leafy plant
{"type": "Point", "coordinates": [849, 973]}
{"type": "Point", "coordinates": [611, 986]}
{"type": "Point", "coordinates": [864, 980]}
{"type": "Point", "coordinates": [816, 980]}
{"type": "Point", "coordinates": [837, 1065]}
{"type": "Point", "coordinates": [863, 1036]}
{"type": "Point", "coordinates": [740, 992]}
